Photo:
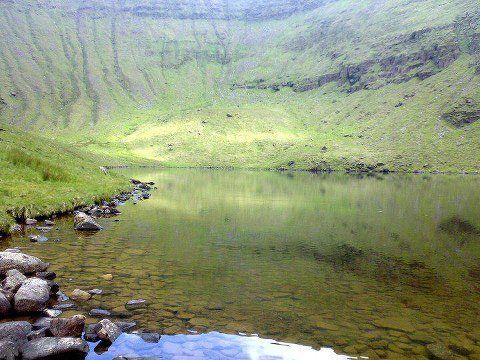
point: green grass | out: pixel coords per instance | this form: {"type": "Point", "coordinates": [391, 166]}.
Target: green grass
{"type": "Point", "coordinates": [41, 177]}
{"type": "Point", "coordinates": [138, 88]}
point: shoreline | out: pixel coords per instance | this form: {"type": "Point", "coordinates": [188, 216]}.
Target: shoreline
{"type": "Point", "coordinates": [6, 229]}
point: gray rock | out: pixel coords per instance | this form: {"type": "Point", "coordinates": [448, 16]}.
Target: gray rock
{"type": "Point", "coordinates": [64, 306]}
{"type": "Point", "coordinates": [46, 275]}
{"type": "Point", "coordinates": [136, 304]}
{"type": "Point", "coordinates": [126, 325]}
{"type": "Point", "coordinates": [44, 228]}
{"type": "Point", "coordinates": [99, 312]}
{"type": "Point", "coordinates": [107, 330]}
{"type": "Point", "coordinates": [150, 337]}
{"type": "Point", "coordinates": [26, 264]}
{"type": "Point", "coordinates": [72, 327]}
{"type": "Point", "coordinates": [91, 334]}
{"type": "Point", "coordinates": [13, 281]}
{"type": "Point", "coordinates": [43, 322]}
{"type": "Point", "coordinates": [52, 313]}
{"type": "Point", "coordinates": [15, 332]}
{"type": "Point", "coordinates": [95, 291]}
{"type": "Point", "coordinates": [8, 350]}
{"type": "Point", "coordinates": [5, 305]}
{"type": "Point", "coordinates": [14, 250]}
{"type": "Point", "coordinates": [49, 222]}
{"type": "Point", "coordinates": [84, 222]}
{"type": "Point", "coordinates": [38, 238]}
{"type": "Point", "coordinates": [8, 294]}
{"type": "Point", "coordinates": [37, 334]}
{"type": "Point", "coordinates": [59, 348]}
{"type": "Point", "coordinates": [32, 296]}
{"type": "Point", "coordinates": [30, 221]}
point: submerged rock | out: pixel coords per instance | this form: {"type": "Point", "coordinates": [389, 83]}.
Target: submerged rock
{"type": "Point", "coordinates": [26, 264]}
{"type": "Point", "coordinates": [38, 238]}
{"type": "Point", "coordinates": [136, 304]}
{"type": "Point", "coordinates": [84, 222]}
{"type": "Point", "coordinates": [107, 277]}
{"type": "Point", "coordinates": [59, 348]}
{"type": "Point", "coordinates": [72, 327]}
{"type": "Point", "coordinates": [80, 295]}
{"type": "Point", "coordinates": [32, 296]}
{"type": "Point", "coordinates": [99, 312]}
{"type": "Point", "coordinates": [440, 352]}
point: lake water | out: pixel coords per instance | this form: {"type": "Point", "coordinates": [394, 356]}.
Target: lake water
{"type": "Point", "coordinates": [241, 264]}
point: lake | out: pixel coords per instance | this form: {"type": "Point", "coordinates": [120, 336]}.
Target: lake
{"type": "Point", "coordinates": [244, 264]}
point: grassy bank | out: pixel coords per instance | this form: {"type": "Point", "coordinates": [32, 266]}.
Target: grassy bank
{"type": "Point", "coordinates": [40, 177]}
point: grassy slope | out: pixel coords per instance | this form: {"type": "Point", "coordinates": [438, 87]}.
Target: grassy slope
{"type": "Point", "coordinates": [41, 177]}
{"type": "Point", "coordinates": [120, 84]}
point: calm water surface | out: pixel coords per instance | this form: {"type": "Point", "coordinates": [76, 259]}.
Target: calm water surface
{"type": "Point", "coordinates": [383, 267]}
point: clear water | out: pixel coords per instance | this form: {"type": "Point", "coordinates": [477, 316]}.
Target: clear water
{"type": "Point", "coordinates": [384, 266]}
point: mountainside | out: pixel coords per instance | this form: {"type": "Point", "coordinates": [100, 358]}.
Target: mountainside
{"type": "Point", "coordinates": [310, 84]}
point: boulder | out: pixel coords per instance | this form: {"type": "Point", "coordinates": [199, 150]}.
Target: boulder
{"type": "Point", "coordinates": [80, 295]}
{"type": "Point", "coordinates": [26, 264]}
{"type": "Point", "coordinates": [13, 281]}
{"type": "Point", "coordinates": [37, 334]}
{"type": "Point", "coordinates": [5, 305]}
{"type": "Point", "coordinates": [15, 332]}
{"type": "Point", "coordinates": [107, 330]}
{"type": "Point", "coordinates": [58, 348]}
{"type": "Point", "coordinates": [42, 323]}
{"type": "Point", "coordinates": [32, 296]}
{"type": "Point", "coordinates": [8, 350]}
{"type": "Point", "coordinates": [72, 327]}
{"type": "Point", "coordinates": [91, 333]}
{"type": "Point", "coordinates": [84, 222]}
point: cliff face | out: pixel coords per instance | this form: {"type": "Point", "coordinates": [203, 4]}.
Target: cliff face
{"type": "Point", "coordinates": [68, 64]}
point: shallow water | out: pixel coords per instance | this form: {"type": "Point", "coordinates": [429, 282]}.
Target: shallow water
{"type": "Point", "coordinates": [383, 266]}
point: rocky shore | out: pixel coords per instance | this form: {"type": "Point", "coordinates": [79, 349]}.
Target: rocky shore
{"type": "Point", "coordinates": [29, 290]}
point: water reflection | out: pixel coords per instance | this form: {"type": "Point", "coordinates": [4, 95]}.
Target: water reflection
{"type": "Point", "coordinates": [211, 346]}
{"type": "Point", "coordinates": [372, 267]}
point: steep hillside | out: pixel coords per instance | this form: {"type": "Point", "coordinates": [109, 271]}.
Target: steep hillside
{"type": "Point", "coordinates": [40, 177]}
{"type": "Point", "coordinates": [306, 84]}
